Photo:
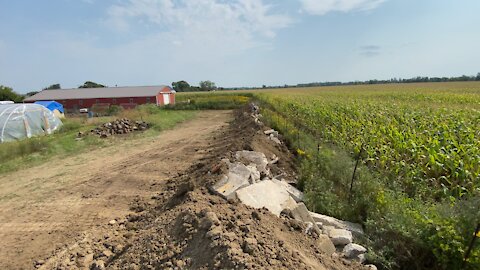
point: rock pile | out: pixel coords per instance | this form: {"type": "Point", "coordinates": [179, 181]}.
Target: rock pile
{"type": "Point", "coordinates": [255, 113]}
{"type": "Point", "coordinates": [119, 126]}
{"type": "Point", "coordinates": [273, 135]}
{"type": "Point", "coordinates": [249, 180]}
{"type": "Point", "coordinates": [184, 226]}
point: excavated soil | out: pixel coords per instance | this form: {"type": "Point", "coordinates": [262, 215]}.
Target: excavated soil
{"type": "Point", "coordinates": [184, 226]}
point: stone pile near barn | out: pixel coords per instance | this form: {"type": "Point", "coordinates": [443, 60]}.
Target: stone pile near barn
{"type": "Point", "coordinates": [248, 179]}
{"type": "Point", "coordinates": [119, 126]}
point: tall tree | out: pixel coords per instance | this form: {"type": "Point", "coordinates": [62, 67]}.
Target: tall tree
{"type": "Point", "coordinates": [207, 85]}
{"type": "Point", "coordinates": [53, 86]}
{"type": "Point", "coordinates": [7, 93]}
{"type": "Point", "coordinates": [29, 94]}
{"type": "Point", "coordinates": [90, 84]}
{"type": "Point", "coordinates": [181, 86]}
{"type": "Point", "coordinates": [478, 77]}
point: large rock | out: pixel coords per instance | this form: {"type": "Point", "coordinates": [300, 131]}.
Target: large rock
{"type": "Point", "coordinates": [254, 174]}
{"type": "Point", "coordinates": [352, 250]}
{"type": "Point", "coordinates": [340, 237]}
{"type": "Point", "coordinates": [265, 194]}
{"type": "Point", "coordinates": [239, 169]}
{"type": "Point", "coordinates": [237, 177]}
{"type": "Point", "coordinates": [355, 228]}
{"type": "Point", "coordinates": [274, 139]}
{"type": "Point", "coordinates": [301, 213]}
{"type": "Point", "coordinates": [258, 159]}
{"type": "Point", "coordinates": [296, 194]}
{"type": "Point", "coordinates": [326, 229]}
{"type": "Point", "coordinates": [325, 245]}
{"type": "Point", "coordinates": [270, 131]}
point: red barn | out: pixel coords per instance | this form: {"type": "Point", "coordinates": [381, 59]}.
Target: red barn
{"type": "Point", "coordinates": [127, 97]}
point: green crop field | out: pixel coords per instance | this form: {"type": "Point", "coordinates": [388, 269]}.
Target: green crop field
{"type": "Point", "coordinates": [417, 186]}
{"type": "Point", "coordinates": [415, 151]}
{"type": "Point", "coordinates": [427, 137]}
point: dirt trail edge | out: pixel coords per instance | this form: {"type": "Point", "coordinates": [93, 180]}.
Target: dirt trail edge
{"type": "Point", "coordinates": [46, 207]}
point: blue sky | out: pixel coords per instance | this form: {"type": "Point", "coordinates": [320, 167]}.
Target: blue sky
{"type": "Point", "coordinates": [234, 43]}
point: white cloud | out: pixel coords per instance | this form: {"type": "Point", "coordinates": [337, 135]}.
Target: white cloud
{"type": "Point", "coordinates": [237, 24]}
{"type": "Point", "coordinates": [322, 7]}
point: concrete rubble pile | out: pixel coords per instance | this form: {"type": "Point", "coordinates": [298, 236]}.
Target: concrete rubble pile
{"type": "Point", "coordinates": [249, 180]}
{"type": "Point", "coordinates": [119, 126]}
{"type": "Point", "coordinates": [255, 114]}
{"type": "Point", "coordinates": [273, 135]}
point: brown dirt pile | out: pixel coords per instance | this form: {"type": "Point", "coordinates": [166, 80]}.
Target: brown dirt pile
{"type": "Point", "coordinates": [184, 226]}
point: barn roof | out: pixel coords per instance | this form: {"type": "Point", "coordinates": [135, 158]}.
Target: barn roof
{"type": "Point", "coordinates": [104, 92]}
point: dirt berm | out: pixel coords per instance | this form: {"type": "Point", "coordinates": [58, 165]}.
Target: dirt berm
{"type": "Point", "coordinates": [185, 226]}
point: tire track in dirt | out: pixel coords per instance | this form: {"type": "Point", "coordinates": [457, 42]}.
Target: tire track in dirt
{"type": "Point", "coordinates": [45, 208]}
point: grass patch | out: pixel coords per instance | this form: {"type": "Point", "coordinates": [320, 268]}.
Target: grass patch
{"type": "Point", "coordinates": [211, 101]}
{"type": "Point", "coordinates": [37, 150]}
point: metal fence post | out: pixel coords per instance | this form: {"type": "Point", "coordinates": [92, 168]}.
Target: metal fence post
{"type": "Point", "coordinates": [354, 172]}
{"type": "Point", "coordinates": [470, 247]}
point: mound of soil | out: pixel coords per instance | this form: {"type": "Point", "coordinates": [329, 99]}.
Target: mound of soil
{"type": "Point", "coordinates": [184, 226]}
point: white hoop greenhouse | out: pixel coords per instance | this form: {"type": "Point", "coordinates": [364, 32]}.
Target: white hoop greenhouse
{"type": "Point", "coordinates": [19, 121]}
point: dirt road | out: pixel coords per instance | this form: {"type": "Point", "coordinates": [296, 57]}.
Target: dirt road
{"type": "Point", "coordinates": [43, 208]}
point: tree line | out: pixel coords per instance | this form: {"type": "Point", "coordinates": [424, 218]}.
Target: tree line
{"type": "Point", "coordinates": [463, 78]}
{"type": "Point", "coordinates": [7, 93]}
{"type": "Point", "coordinates": [183, 86]}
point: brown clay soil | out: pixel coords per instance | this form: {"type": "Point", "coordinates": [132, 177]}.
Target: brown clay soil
{"type": "Point", "coordinates": [145, 204]}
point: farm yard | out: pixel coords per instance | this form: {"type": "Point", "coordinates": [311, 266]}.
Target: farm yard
{"type": "Point", "coordinates": [81, 187]}
{"type": "Point", "coordinates": [231, 134]}
{"type": "Point", "coordinates": [401, 161]}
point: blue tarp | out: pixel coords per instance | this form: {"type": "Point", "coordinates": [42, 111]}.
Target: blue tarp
{"type": "Point", "coordinates": [51, 105]}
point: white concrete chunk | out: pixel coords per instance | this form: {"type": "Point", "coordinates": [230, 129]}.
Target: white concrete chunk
{"type": "Point", "coordinates": [296, 194]}
{"type": "Point", "coordinates": [327, 229]}
{"type": "Point", "coordinates": [352, 250]}
{"type": "Point", "coordinates": [239, 169]}
{"type": "Point", "coordinates": [258, 159]}
{"type": "Point", "coordinates": [301, 213]}
{"type": "Point", "coordinates": [265, 194]}
{"type": "Point", "coordinates": [275, 139]}
{"type": "Point", "coordinates": [340, 237]}
{"type": "Point", "coordinates": [325, 244]}
{"type": "Point", "coordinates": [360, 258]}
{"type": "Point", "coordinates": [237, 177]}
{"type": "Point", "coordinates": [254, 174]}
{"type": "Point", "coordinates": [268, 132]}
{"type": "Point", "coordinates": [290, 203]}
{"type": "Point", "coordinates": [355, 228]}
{"type": "Point", "coordinates": [274, 160]}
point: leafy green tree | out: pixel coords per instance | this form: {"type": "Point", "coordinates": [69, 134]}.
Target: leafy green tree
{"type": "Point", "coordinates": [207, 85]}
{"type": "Point", "coordinates": [90, 84]}
{"type": "Point", "coordinates": [29, 94]}
{"type": "Point", "coordinates": [53, 86]}
{"type": "Point", "coordinates": [7, 93]}
{"type": "Point", "coordinates": [478, 77]}
{"type": "Point", "coordinates": [181, 86]}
